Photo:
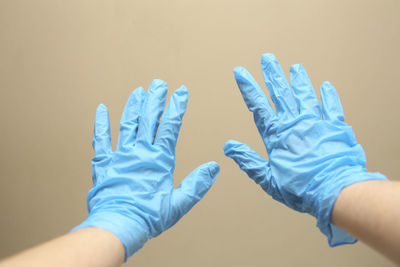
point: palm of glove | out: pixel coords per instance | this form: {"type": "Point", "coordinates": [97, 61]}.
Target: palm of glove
{"type": "Point", "coordinates": [150, 197]}
{"type": "Point", "coordinates": [304, 154]}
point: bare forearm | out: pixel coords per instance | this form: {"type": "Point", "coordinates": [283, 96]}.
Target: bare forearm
{"type": "Point", "coordinates": [370, 212]}
{"type": "Point", "coordinates": [85, 247]}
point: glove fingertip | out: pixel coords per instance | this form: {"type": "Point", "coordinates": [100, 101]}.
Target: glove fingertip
{"type": "Point", "coordinates": [101, 113]}
{"type": "Point", "coordinates": [267, 58]}
{"type": "Point", "coordinates": [213, 168]}
{"type": "Point", "coordinates": [102, 122]}
{"type": "Point", "coordinates": [134, 101]}
{"type": "Point", "coordinates": [101, 107]}
{"type": "Point", "coordinates": [158, 86]}
{"type": "Point", "coordinates": [182, 90]}
{"type": "Point", "coordinates": [296, 68]}
{"type": "Point", "coordinates": [227, 147]}
{"type": "Point", "coordinates": [243, 77]}
{"type": "Point", "coordinates": [230, 146]}
{"type": "Point", "coordinates": [138, 92]}
{"type": "Point", "coordinates": [181, 94]}
{"type": "Point", "coordinates": [326, 84]}
{"type": "Point", "coordinates": [158, 82]}
{"type": "Point", "coordinates": [238, 69]}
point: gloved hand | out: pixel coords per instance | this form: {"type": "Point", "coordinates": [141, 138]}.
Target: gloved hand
{"type": "Point", "coordinates": [133, 195]}
{"type": "Point", "coordinates": [311, 159]}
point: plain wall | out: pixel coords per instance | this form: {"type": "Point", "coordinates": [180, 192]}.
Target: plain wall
{"type": "Point", "coordinates": [60, 59]}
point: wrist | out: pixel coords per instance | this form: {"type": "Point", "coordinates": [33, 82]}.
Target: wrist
{"type": "Point", "coordinates": [326, 197]}
{"type": "Point", "coordinates": [130, 230]}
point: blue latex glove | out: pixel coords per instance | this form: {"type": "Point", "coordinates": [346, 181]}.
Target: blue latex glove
{"type": "Point", "coordinates": [133, 195]}
{"type": "Point", "coordinates": [311, 159]}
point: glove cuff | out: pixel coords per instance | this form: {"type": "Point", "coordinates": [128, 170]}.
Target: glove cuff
{"type": "Point", "coordinates": [327, 199]}
{"type": "Point", "coordinates": [133, 237]}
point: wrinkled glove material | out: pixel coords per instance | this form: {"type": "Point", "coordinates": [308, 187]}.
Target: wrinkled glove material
{"type": "Point", "coordinates": [133, 194]}
{"type": "Point", "coordinates": [312, 153]}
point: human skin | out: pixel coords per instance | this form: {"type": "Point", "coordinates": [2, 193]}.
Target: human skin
{"type": "Point", "coordinates": [370, 212]}
{"type": "Point", "coordinates": [82, 248]}
{"type": "Point", "coordinates": [367, 210]}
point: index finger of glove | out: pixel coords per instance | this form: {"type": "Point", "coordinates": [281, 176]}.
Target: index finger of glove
{"type": "Point", "coordinates": [151, 111]}
{"type": "Point", "coordinates": [255, 99]}
{"type": "Point", "coordinates": [130, 118]}
{"type": "Point", "coordinates": [303, 91]}
{"type": "Point", "coordinates": [167, 135]}
{"type": "Point", "coordinates": [331, 106]}
{"type": "Point", "coordinates": [278, 87]}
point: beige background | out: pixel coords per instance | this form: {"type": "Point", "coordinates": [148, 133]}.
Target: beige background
{"type": "Point", "coordinates": [60, 59]}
